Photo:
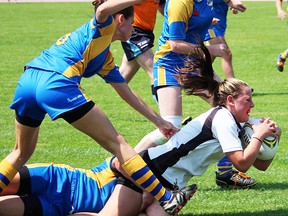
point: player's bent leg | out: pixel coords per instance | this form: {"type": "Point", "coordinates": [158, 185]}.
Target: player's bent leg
{"type": "Point", "coordinates": [170, 107]}
{"type": "Point", "coordinates": [96, 125]}
{"type": "Point", "coordinates": [123, 201]}
{"type": "Point", "coordinates": [13, 187]}
{"type": "Point", "coordinates": [281, 61]}
{"type": "Point", "coordinates": [227, 66]}
{"type": "Point", "coordinates": [26, 140]}
{"type": "Point", "coordinates": [145, 60]}
{"type": "Point", "coordinates": [128, 69]}
{"type": "Point", "coordinates": [11, 205]}
{"type": "Point", "coordinates": [154, 209]}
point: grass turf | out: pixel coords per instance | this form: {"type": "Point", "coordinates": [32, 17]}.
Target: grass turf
{"type": "Point", "coordinates": [256, 37]}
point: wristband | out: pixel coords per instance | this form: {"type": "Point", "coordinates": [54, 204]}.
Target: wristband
{"type": "Point", "coordinates": [257, 139]}
{"type": "Point", "coordinates": [227, 2]}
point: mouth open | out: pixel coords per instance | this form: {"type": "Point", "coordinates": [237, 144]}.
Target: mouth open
{"type": "Point", "coordinates": [248, 112]}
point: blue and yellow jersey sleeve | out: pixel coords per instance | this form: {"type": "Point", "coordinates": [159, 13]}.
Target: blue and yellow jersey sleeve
{"type": "Point", "coordinates": [183, 20]}
{"type": "Point", "coordinates": [82, 53]}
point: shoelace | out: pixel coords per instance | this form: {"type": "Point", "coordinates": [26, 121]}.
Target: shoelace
{"type": "Point", "coordinates": [239, 174]}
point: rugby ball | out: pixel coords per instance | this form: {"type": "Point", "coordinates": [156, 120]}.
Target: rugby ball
{"type": "Point", "coordinates": [269, 145]}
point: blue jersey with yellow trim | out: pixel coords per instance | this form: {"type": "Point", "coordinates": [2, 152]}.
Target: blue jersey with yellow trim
{"type": "Point", "coordinates": [220, 9]}
{"type": "Point", "coordinates": [64, 190]}
{"type": "Point", "coordinates": [82, 53]}
{"type": "Point", "coordinates": [183, 20]}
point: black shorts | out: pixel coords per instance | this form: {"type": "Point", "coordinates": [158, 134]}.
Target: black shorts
{"type": "Point", "coordinates": [140, 41]}
{"type": "Point", "coordinates": [32, 204]}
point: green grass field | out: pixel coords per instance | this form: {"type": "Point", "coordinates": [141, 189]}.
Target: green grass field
{"type": "Point", "coordinates": [256, 37]}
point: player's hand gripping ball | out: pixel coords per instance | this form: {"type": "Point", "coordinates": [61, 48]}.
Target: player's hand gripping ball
{"type": "Point", "coordinates": [269, 145]}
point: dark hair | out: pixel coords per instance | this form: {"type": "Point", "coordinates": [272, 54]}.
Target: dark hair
{"type": "Point", "coordinates": [127, 12]}
{"type": "Point", "coordinates": [96, 3]}
{"type": "Point", "coordinates": [197, 75]}
{"type": "Point", "coordinates": [197, 78]}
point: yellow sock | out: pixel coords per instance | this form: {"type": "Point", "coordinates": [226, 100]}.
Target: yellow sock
{"type": "Point", "coordinates": [138, 170]}
{"type": "Point", "coordinates": [284, 54]}
{"type": "Point", "coordinates": [7, 173]}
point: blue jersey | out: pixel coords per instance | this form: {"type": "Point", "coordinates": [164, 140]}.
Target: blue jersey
{"type": "Point", "coordinates": [220, 12]}
{"type": "Point", "coordinates": [183, 20]}
{"type": "Point", "coordinates": [64, 190]}
{"type": "Point", "coordinates": [51, 82]}
{"type": "Point", "coordinates": [82, 53]}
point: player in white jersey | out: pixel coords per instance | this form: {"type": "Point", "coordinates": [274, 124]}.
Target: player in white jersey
{"type": "Point", "coordinates": [210, 136]}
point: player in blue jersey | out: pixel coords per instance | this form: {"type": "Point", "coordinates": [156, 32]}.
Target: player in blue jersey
{"type": "Point", "coordinates": [185, 21]}
{"type": "Point", "coordinates": [282, 56]}
{"type": "Point", "coordinates": [51, 84]}
{"type": "Point", "coordinates": [216, 35]}
{"type": "Point", "coordinates": [58, 189]}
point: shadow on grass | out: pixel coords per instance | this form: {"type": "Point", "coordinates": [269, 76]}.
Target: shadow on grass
{"type": "Point", "coordinates": [272, 186]}
{"type": "Point", "coordinates": [270, 93]}
{"type": "Point", "coordinates": [260, 186]}
{"type": "Point", "coordinates": [280, 212]}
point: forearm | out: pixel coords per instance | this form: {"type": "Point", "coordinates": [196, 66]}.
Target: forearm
{"type": "Point", "coordinates": [250, 153]}
{"type": "Point", "coordinates": [278, 5]}
{"type": "Point", "coordinates": [182, 47]}
{"type": "Point", "coordinates": [137, 103]}
{"type": "Point", "coordinates": [243, 160]}
{"type": "Point", "coordinates": [140, 106]}
{"type": "Point", "coordinates": [111, 7]}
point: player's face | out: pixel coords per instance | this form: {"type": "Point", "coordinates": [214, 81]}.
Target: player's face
{"type": "Point", "coordinates": [125, 29]}
{"type": "Point", "coordinates": [242, 105]}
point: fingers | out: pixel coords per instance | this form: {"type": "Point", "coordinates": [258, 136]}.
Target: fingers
{"type": "Point", "coordinates": [267, 128]}
{"type": "Point", "coordinates": [168, 130]}
{"type": "Point", "coordinates": [241, 8]}
{"type": "Point", "coordinates": [273, 128]}
{"type": "Point", "coordinates": [234, 11]}
{"type": "Point", "coordinates": [236, 4]}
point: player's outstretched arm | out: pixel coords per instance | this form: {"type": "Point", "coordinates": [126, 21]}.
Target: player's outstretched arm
{"type": "Point", "coordinates": [236, 4]}
{"type": "Point", "coordinates": [166, 128]}
{"type": "Point", "coordinates": [108, 8]}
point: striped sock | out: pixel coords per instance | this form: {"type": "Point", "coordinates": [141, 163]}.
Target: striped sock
{"type": "Point", "coordinates": [143, 176]}
{"type": "Point", "coordinates": [284, 54]}
{"type": "Point", "coordinates": [7, 173]}
{"type": "Point", "coordinates": [224, 166]}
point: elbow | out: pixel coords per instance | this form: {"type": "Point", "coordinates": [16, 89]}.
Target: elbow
{"type": "Point", "coordinates": [174, 46]}
{"type": "Point", "coordinates": [262, 164]}
{"type": "Point", "coordinates": [102, 11]}
{"type": "Point", "coordinates": [262, 168]}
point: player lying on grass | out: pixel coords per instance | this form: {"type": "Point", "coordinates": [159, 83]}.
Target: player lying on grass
{"type": "Point", "coordinates": [60, 190]}
{"type": "Point", "coordinates": [203, 141]}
